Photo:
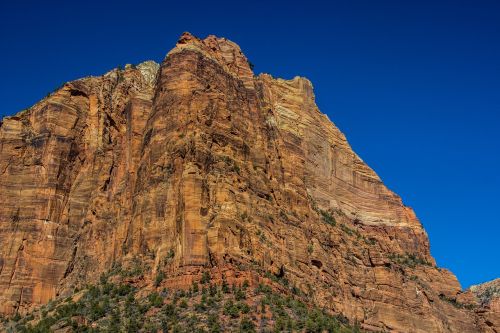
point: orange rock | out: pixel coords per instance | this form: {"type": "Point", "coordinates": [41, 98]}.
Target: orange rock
{"type": "Point", "coordinates": [198, 164]}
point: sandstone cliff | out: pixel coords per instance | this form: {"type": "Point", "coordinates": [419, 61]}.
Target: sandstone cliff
{"type": "Point", "coordinates": [197, 165]}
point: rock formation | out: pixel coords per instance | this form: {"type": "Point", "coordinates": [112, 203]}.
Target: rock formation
{"type": "Point", "coordinates": [489, 297]}
{"type": "Point", "coordinates": [201, 162]}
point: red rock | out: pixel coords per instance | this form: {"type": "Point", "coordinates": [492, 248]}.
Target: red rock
{"type": "Point", "coordinates": [199, 164]}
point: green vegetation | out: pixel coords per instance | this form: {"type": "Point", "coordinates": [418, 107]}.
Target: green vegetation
{"type": "Point", "coordinates": [155, 300]}
{"type": "Point", "coordinates": [327, 217]}
{"type": "Point", "coordinates": [355, 233]}
{"type": "Point", "coordinates": [488, 293]}
{"type": "Point", "coordinates": [455, 303]}
{"type": "Point", "coordinates": [195, 287]}
{"type": "Point", "coordinates": [136, 268]}
{"type": "Point", "coordinates": [244, 216]}
{"type": "Point", "coordinates": [409, 260]}
{"type": "Point", "coordinates": [236, 168]}
{"type": "Point", "coordinates": [247, 325]}
{"type": "Point", "coordinates": [261, 235]}
{"type": "Point", "coordinates": [233, 166]}
{"type": "Point", "coordinates": [115, 306]}
{"type": "Point", "coordinates": [159, 278]}
{"type": "Point", "coordinates": [205, 277]}
{"type": "Point", "coordinates": [350, 231]}
{"type": "Point", "coordinates": [170, 255]}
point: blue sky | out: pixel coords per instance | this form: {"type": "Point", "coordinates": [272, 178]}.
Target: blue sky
{"type": "Point", "coordinates": [414, 85]}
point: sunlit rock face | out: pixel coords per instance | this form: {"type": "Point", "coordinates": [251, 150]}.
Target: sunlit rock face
{"type": "Point", "coordinates": [488, 294]}
{"type": "Point", "coordinates": [201, 161]}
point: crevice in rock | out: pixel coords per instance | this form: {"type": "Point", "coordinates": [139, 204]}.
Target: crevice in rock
{"type": "Point", "coordinates": [316, 263]}
{"type": "Point", "coordinates": [75, 92]}
{"type": "Point", "coordinates": [281, 272]}
{"type": "Point", "coordinates": [71, 262]}
{"type": "Point", "coordinates": [14, 267]}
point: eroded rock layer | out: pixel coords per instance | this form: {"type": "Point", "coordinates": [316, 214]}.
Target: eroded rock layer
{"type": "Point", "coordinates": [202, 163]}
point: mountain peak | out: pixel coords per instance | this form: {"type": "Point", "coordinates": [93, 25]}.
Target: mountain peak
{"type": "Point", "coordinates": [186, 37]}
{"type": "Point", "coordinates": [225, 52]}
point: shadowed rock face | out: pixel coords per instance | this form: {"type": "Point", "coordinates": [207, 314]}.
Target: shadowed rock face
{"type": "Point", "coordinates": [200, 161]}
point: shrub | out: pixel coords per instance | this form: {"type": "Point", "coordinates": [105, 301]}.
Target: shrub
{"type": "Point", "coordinates": [164, 325]}
{"type": "Point", "coordinates": [169, 310]}
{"type": "Point", "coordinates": [195, 287]}
{"type": "Point", "coordinates": [455, 303]}
{"type": "Point", "coordinates": [170, 255]}
{"type": "Point", "coordinates": [263, 289]}
{"type": "Point", "coordinates": [123, 290]}
{"type": "Point", "coordinates": [236, 168]}
{"type": "Point", "coordinates": [327, 217]}
{"type": "Point", "coordinates": [232, 310]}
{"type": "Point", "coordinates": [155, 300]}
{"type": "Point", "coordinates": [246, 325]}
{"type": "Point", "coordinates": [159, 278]}
{"type": "Point", "coordinates": [225, 286]}
{"type": "Point", "coordinates": [244, 308]}
{"type": "Point", "coordinates": [205, 277]}
{"type": "Point", "coordinates": [114, 322]}
{"type": "Point", "coordinates": [200, 307]}
{"type": "Point", "coordinates": [213, 324]}
{"type": "Point", "coordinates": [183, 304]}
{"type": "Point", "coordinates": [239, 294]}
{"type": "Point", "coordinates": [133, 324]}
{"type": "Point", "coordinates": [212, 290]}
{"type": "Point", "coordinates": [96, 310]}
{"type": "Point", "coordinates": [409, 260]}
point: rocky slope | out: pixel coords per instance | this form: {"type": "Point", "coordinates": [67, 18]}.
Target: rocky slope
{"type": "Point", "coordinates": [489, 297]}
{"type": "Point", "coordinates": [198, 166]}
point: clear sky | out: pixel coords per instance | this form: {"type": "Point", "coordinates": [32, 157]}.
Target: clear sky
{"type": "Point", "coordinates": [414, 85]}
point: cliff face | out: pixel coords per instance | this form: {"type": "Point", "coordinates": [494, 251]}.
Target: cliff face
{"type": "Point", "coordinates": [199, 165]}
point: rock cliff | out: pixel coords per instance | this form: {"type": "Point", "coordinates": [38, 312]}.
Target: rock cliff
{"type": "Point", "coordinates": [197, 165]}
